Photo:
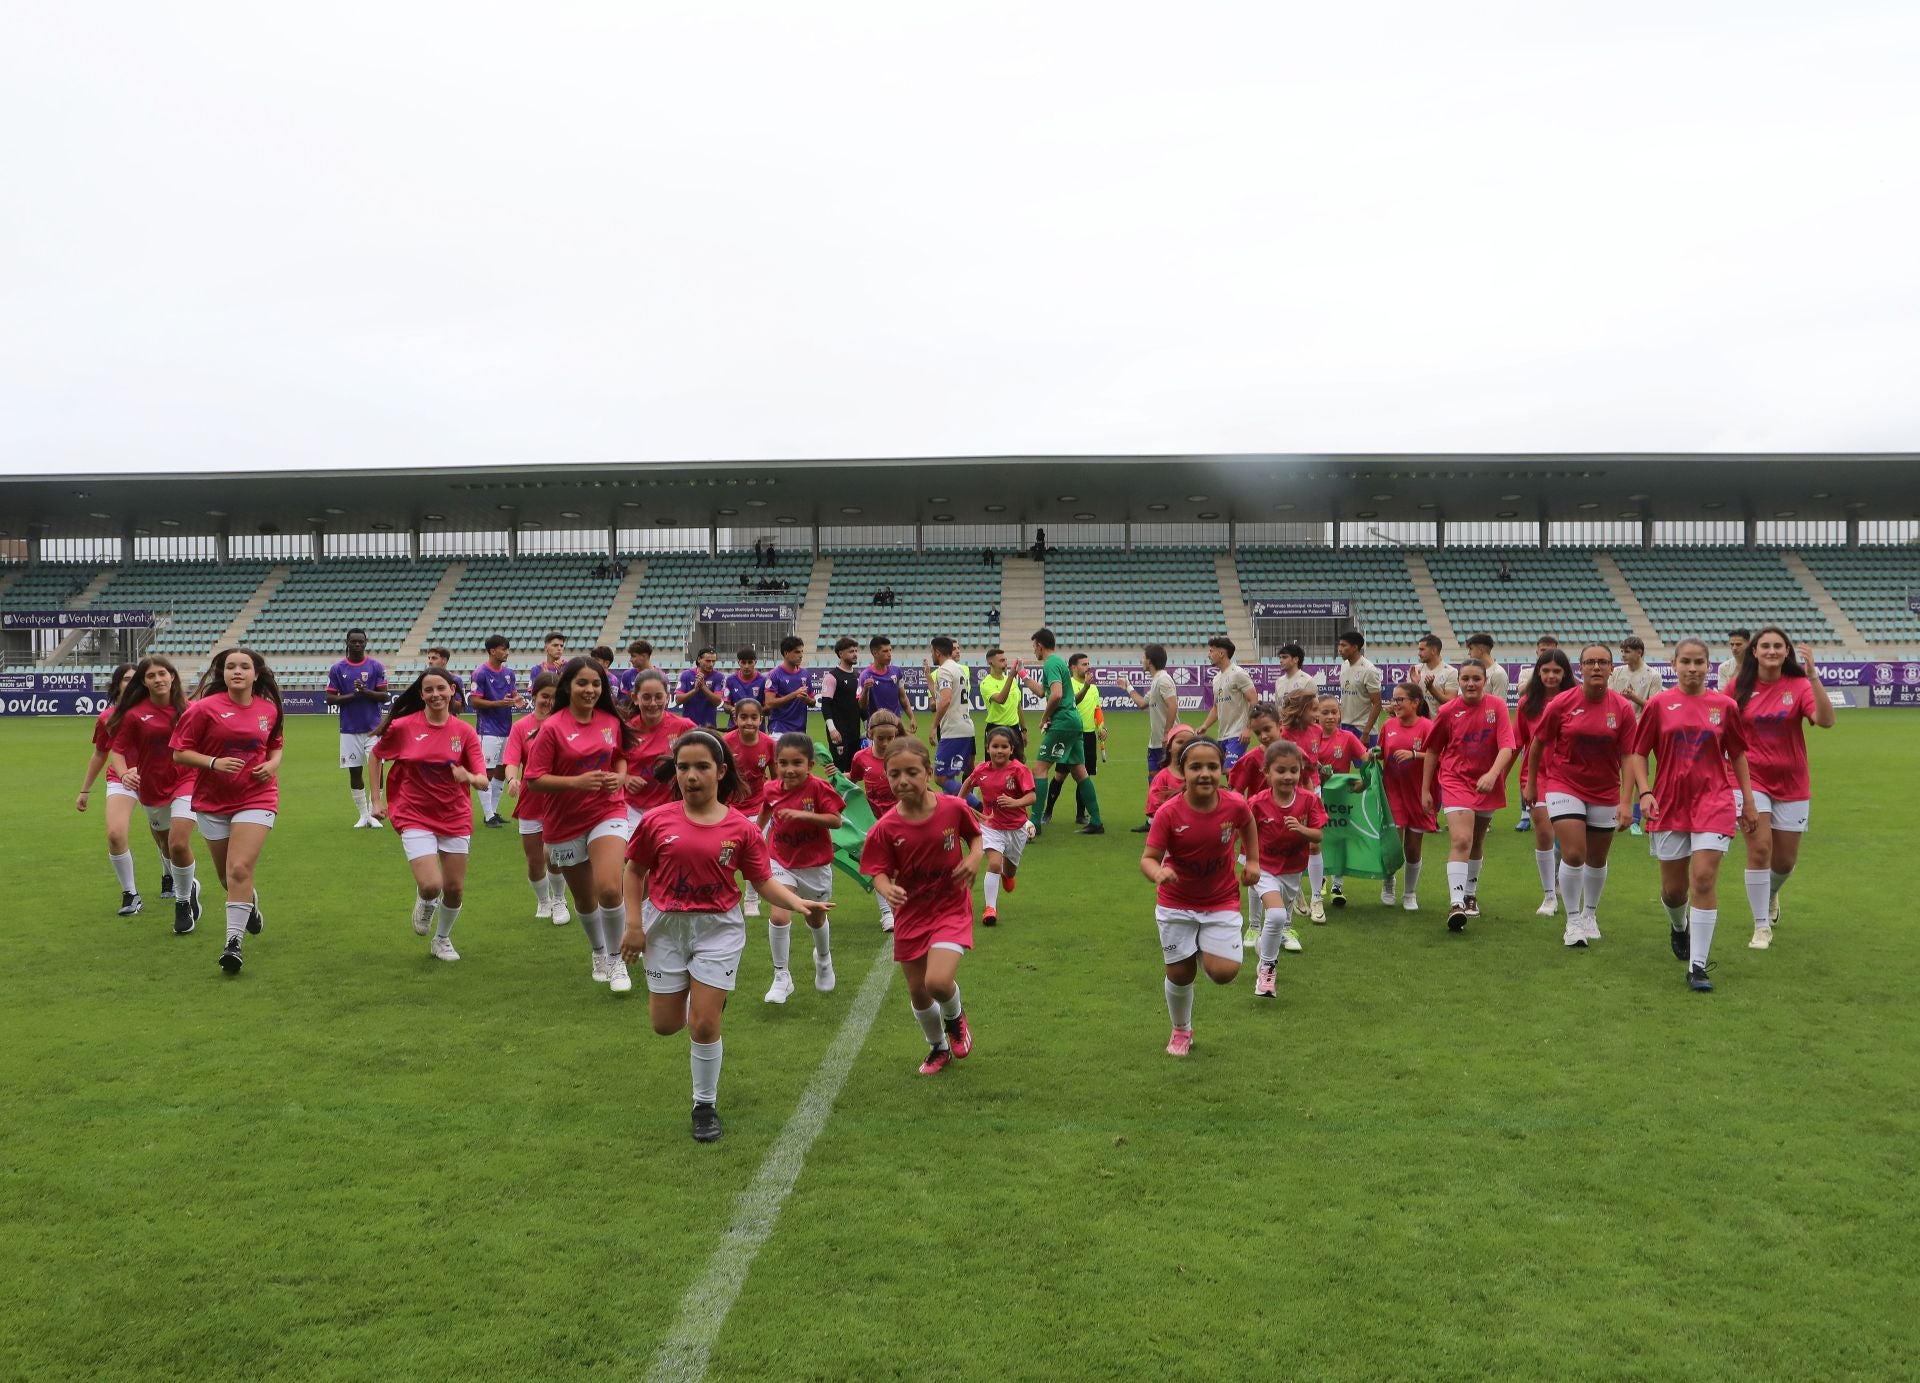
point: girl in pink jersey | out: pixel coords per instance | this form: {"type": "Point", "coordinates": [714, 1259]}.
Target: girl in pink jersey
{"type": "Point", "coordinates": [1575, 753]}
{"type": "Point", "coordinates": [1300, 726]}
{"type": "Point", "coordinates": [1248, 776]}
{"type": "Point", "coordinates": [1778, 691]}
{"type": "Point", "coordinates": [683, 871]}
{"type": "Point", "coordinates": [549, 885]}
{"type": "Point", "coordinates": [121, 799]}
{"type": "Point", "coordinates": [141, 728]}
{"type": "Point", "coordinates": [579, 757]}
{"type": "Point", "coordinates": [1168, 783]}
{"type": "Point", "coordinates": [798, 815]}
{"type": "Point", "coordinates": [1701, 789]}
{"type": "Point", "coordinates": [1403, 748]}
{"type": "Point", "coordinates": [428, 791]}
{"type": "Point", "coordinates": [923, 856]}
{"type": "Point", "coordinates": [231, 737]}
{"type": "Point", "coordinates": [1466, 758]}
{"type": "Point", "coordinates": [1339, 751]}
{"type": "Point", "coordinates": [1287, 820]}
{"type": "Point", "coordinates": [869, 769]}
{"type": "Point", "coordinates": [1190, 860]}
{"type": "Point", "coordinates": [654, 730]}
{"type": "Point", "coordinates": [1006, 789]}
{"type": "Point", "coordinates": [1552, 674]}
{"type": "Point", "coordinates": [753, 761]}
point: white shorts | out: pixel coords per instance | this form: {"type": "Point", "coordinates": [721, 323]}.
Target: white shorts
{"type": "Point", "coordinates": [1599, 816]}
{"type": "Point", "coordinates": [1184, 933]}
{"type": "Point", "coordinates": [704, 945]}
{"type": "Point", "coordinates": [119, 789]}
{"type": "Point", "coordinates": [1787, 816]}
{"type": "Point", "coordinates": [531, 828]}
{"type": "Point", "coordinates": [634, 815]}
{"type": "Point", "coordinates": [814, 882]}
{"type": "Point", "coordinates": [1011, 844]}
{"type": "Point", "coordinates": [420, 844]}
{"type": "Point", "coordinates": [1480, 812]}
{"type": "Point", "coordinates": [353, 750]}
{"type": "Point", "coordinates": [493, 750]}
{"type": "Point", "coordinates": [1680, 845]}
{"type": "Point", "coordinates": [567, 853]}
{"type": "Point", "coordinates": [1286, 885]}
{"type": "Point", "coordinates": [163, 816]}
{"type": "Point", "coordinates": [218, 825]}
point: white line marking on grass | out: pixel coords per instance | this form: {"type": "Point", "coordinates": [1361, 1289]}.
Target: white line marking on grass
{"type": "Point", "coordinates": [683, 1355]}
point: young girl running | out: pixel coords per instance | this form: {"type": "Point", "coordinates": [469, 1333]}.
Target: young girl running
{"type": "Point", "coordinates": [436, 765]}
{"type": "Point", "coordinates": [1576, 749]}
{"type": "Point", "coordinates": [1552, 674]}
{"type": "Point", "coordinates": [1006, 789]}
{"type": "Point", "coordinates": [1778, 690]}
{"type": "Point", "coordinates": [1699, 790]}
{"type": "Point", "coordinates": [1300, 727]}
{"type": "Point", "coordinates": [1403, 747]}
{"type": "Point", "coordinates": [231, 737]}
{"type": "Point", "coordinates": [683, 907]}
{"type": "Point", "coordinates": [1247, 776]}
{"type": "Point", "coordinates": [653, 730]}
{"type": "Point", "coordinates": [1468, 753]}
{"type": "Point", "coordinates": [798, 813]}
{"type": "Point", "coordinates": [1286, 819]}
{"type": "Point", "coordinates": [549, 886]}
{"type": "Point", "coordinates": [923, 856]}
{"type": "Point", "coordinates": [1339, 751]}
{"type": "Point", "coordinates": [1168, 783]}
{"type": "Point", "coordinates": [753, 764]}
{"type": "Point", "coordinates": [869, 769]}
{"type": "Point", "coordinates": [140, 726]}
{"type": "Point", "coordinates": [121, 799]}
{"type": "Point", "coordinates": [1190, 859]}
{"type": "Point", "coordinates": [578, 757]}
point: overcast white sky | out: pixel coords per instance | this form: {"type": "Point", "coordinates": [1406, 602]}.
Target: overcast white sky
{"type": "Point", "coordinates": [246, 235]}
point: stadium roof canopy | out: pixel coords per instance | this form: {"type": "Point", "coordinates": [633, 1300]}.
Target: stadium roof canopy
{"type": "Point", "coordinates": [1257, 488]}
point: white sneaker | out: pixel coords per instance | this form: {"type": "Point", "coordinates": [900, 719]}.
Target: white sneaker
{"type": "Point", "coordinates": [1388, 896]}
{"type": "Point", "coordinates": [374, 823]}
{"type": "Point", "coordinates": [1590, 922]}
{"type": "Point", "coordinates": [560, 917]}
{"type": "Point", "coordinates": [886, 923]}
{"type": "Point", "coordinates": [823, 979]}
{"type": "Point", "coordinates": [750, 905]}
{"type": "Point", "coordinates": [363, 823]}
{"type": "Point", "coordinates": [442, 948]}
{"type": "Point", "coordinates": [1549, 907]}
{"type": "Point", "coordinates": [544, 908]}
{"type": "Point", "coordinates": [782, 988]}
{"type": "Point", "coordinates": [1288, 940]}
{"type": "Point", "coordinates": [1762, 939]}
{"type": "Point", "coordinates": [602, 968]}
{"type": "Point", "coordinates": [618, 980]}
{"type": "Point", "coordinates": [1574, 934]}
{"type": "Point", "coordinates": [422, 917]}
{"type": "Point", "coordinates": [1315, 912]}
{"type": "Point", "coordinates": [1410, 903]}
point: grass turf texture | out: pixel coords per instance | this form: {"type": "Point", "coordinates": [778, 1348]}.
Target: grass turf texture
{"type": "Point", "coordinates": [1434, 1156]}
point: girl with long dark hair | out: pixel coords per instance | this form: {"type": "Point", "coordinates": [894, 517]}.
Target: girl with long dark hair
{"type": "Point", "coordinates": [140, 727]}
{"type": "Point", "coordinates": [1466, 759]}
{"type": "Point", "coordinates": [1575, 753]}
{"type": "Point", "coordinates": [1552, 674]}
{"type": "Point", "coordinates": [549, 886]}
{"type": "Point", "coordinates": [121, 799]}
{"type": "Point", "coordinates": [1778, 691]}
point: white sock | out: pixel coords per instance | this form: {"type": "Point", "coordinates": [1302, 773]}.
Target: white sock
{"type": "Point", "coordinates": [993, 892]}
{"type": "Point", "coordinates": [590, 923]}
{"type": "Point", "coordinates": [886, 909]}
{"type": "Point", "coordinates": [950, 1007]}
{"type": "Point", "coordinates": [1700, 924]}
{"type": "Point", "coordinates": [1543, 861]}
{"type": "Point", "coordinates": [490, 798]}
{"type": "Point", "coordinates": [540, 893]}
{"type": "Point", "coordinates": [1316, 871]}
{"type": "Point", "coordinates": [780, 942]}
{"type": "Point", "coordinates": [1457, 881]}
{"type": "Point", "coordinates": [1387, 885]}
{"type": "Point", "coordinates": [705, 1060]}
{"type": "Point", "coordinates": [443, 925]}
{"type": "Point", "coordinates": [1777, 881]}
{"type": "Point", "coordinates": [182, 880]}
{"type": "Point", "coordinates": [1413, 874]}
{"type": "Point", "coordinates": [1272, 925]}
{"type": "Point", "coordinates": [1180, 1004]}
{"type": "Point", "coordinates": [930, 1025]}
{"type": "Point", "coordinates": [1473, 878]}
{"type": "Point", "coordinates": [1676, 914]}
{"type": "Point", "coordinates": [748, 898]}
{"type": "Point", "coordinates": [359, 796]}
{"type": "Point", "coordinates": [237, 915]}
{"type": "Point", "coordinates": [123, 871]}
{"type": "Point", "coordinates": [613, 928]}
{"type": "Point", "coordinates": [557, 886]}
{"type": "Point", "coordinates": [1759, 894]}
{"type": "Point", "coordinates": [1596, 881]}
{"type": "Point", "coordinates": [822, 941]}
{"type": "Point", "coordinates": [1572, 885]}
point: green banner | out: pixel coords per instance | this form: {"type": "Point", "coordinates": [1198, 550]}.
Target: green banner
{"type": "Point", "coordinates": [1361, 839]}
{"type": "Point", "coordinates": [856, 819]}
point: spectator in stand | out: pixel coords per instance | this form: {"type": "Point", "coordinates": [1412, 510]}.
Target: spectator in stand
{"type": "Point", "coordinates": [986, 557]}
{"type": "Point", "coordinates": [993, 616]}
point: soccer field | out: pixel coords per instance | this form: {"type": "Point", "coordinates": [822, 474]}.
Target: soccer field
{"type": "Point", "coordinates": [1433, 1156]}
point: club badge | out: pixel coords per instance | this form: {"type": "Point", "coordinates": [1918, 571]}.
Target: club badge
{"type": "Point", "coordinates": [1713, 717]}
{"type": "Point", "coordinates": [266, 723]}
{"type": "Point", "coordinates": [726, 852]}
{"type": "Point", "coordinates": [949, 838]}
{"type": "Point", "coordinates": [456, 744]}
{"type": "Point", "coordinates": [606, 737]}
{"type": "Point", "coordinates": [1489, 715]}
{"type": "Point", "coordinates": [1786, 698]}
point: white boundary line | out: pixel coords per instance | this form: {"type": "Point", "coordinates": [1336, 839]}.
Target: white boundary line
{"type": "Point", "coordinates": [682, 1356]}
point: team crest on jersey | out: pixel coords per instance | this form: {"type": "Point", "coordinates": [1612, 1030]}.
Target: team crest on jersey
{"type": "Point", "coordinates": [1713, 717]}
{"type": "Point", "coordinates": [1786, 698]}
{"type": "Point", "coordinates": [265, 722]}
{"type": "Point", "coordinates": [456, 744]}
{"type": "Point", "coordinates": [1489, 715]}
{"type": "Point", "coordinates": [726, 852]}
{"type": "Point", "coordinates": [606, 737]}
{"type": "Point", "coordinates": [1226, 834]}
{"type": "Point", "coordinates": [949, 838]}
{"type": "Point", "coordinates": [1613, 721]}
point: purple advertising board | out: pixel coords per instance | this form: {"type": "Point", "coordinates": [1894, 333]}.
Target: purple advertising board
{"type": "Point", "coordinates": [77, 619]}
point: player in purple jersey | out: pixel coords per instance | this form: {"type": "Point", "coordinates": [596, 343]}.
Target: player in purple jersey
{"type": "Point", "coordinates": [747, 682]}
{"type": "Point", "coordinates": [437, 660]}
{"type": "Point", "coordinates": [496, 696]}
{"type": "Point", "coordinates": [880, 685]}
{"type": "Point", "coordinates": [357, 688]}
{"type": "Point", "coordinates": [789, 690]}
{"type": "Point", "coordinates": [702, 689]}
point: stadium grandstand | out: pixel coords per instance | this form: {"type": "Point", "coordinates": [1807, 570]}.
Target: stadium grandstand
{"type": "Point", "coordinates": [1112, 552]}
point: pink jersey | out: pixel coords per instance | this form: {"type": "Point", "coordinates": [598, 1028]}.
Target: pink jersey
{"type": "Point", "coordinates": [1308, 742]}
{"type": "Point", "coordinates": [695, 867]}
{"type": "Point", "coordinates": [1582, 744]}
{"type": "Point", "coordinates": [754, 763]}
{"type": "Point", "coordinates": [530, 805]}
{"type": "Point", "coordinates": [422, 793]}
{"type": "Point", "coordinates": [1200, 846]}
{"type": "Point", "coordinates": [802, 844]}
{"type": "Point", "coordinates": [221, 728]}
{"type": "Point", "coordinates": [920, 856]}
{"type": "Point", "coordinates": [1340, 751]}
{"type": "Point", "coordinates": [564, 747]}
{"type": "Point", "coordinates": [1689, 739]}
{"type": "Point", "coordinates": [655, 747]}
{"type": "Point", "coordinates": [1776, 743]}
{"type": "Point", "coordinates": [1249, 775]}
{"type": "Point", "coordinates": [1526, 724]}
{"type": "Point", "coordinates": [1468, 738]}
{"type": "Point", "coordinates": [142, 740]}
{"type": "Point", "coordinates": [102, 743]}
{"type": "Point", "coordinates": [1282, 849]}
{"type": "Point", "coordinates": [1403, 779]}
{"type": "Point", "coordinates": [1015, 780]}
{"type": "Point", "coordinates": [873, 780]}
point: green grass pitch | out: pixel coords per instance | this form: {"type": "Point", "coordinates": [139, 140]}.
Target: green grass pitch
{"type": "Point", "coordinates": [1434, 1156]}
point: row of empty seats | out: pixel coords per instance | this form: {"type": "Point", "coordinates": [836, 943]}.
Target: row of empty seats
{"type": "Point", "coordinates": [1559, 591]}
{"type": "Point", "coordinates": [1375, 579]}
{"type": "Point", "coordinates": [525, 599]}
{"type": "Point", "coordinates": [1706, 592]}
{"type": "Point", "coordinates": [1105, 597]}
{"type": "Point", "coordinates": [1873, 586]}
{"type": "Point", "coordinates": [934, 593]}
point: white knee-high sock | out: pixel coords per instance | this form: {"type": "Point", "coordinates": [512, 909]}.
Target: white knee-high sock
{"type": "Point", "coordinates": [1180, 1003]}
{"type": "Point", "coordinates": [237, 915]}
{"type": "Point", "coordinates": [182, 880]}
{"type": "Point", "coordinates": [359, 796]}
{"type": "Point", "coordinates": [822, 940]}
{"type": "Point", "coordinates": [993, 893]}
{"type": "Point", "coordinates": [1473, 877]}
{"type": "Point", "coordinates": [1700, 925]}
{"type": "Point", "coordinates": [123, 871]}
{"type": "Point", "coordinates": [444, 919]}
{"type": "Point", "coordinates": [950, 1006]}
{"type": "Point", "coordinates": [1676, 915]}
{"type": "Point", "coordinates": [1457, 881]}
{"type": "Point", "coordinates": [1274, 924]}
{"type": "Point", "coordinates": [613, 926]}
{"type": "Point", "coordinates": [1413, 874]}
{"type": "Point", "coordinates": [556, 886]}
{"type": "Point", "coordinates": [780, 943]}
{"type": "Point", "coordinates": [1543, 862]}
{"type": "Point", "coordinates": [590, 924]}
{"type": "Point", "coordinates": [1759, 894]}
{"type": "Point", "coordinates": [931, 1027]}
{"type": "Point", "coordinates": [540, 894]}
{"type": "Point", "coordinates": [886, 910]}
{"type": "Point", "coordinates": [1572, 886]}
{"type": "Point", "coordinates": [1596, 884]}
{"type": "Point", "coordinates": [1777, 881]}
{"type": "Point", "coordinates": [1316, 871]}
{"type": "Point", "coordinates": [705, 1060]}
